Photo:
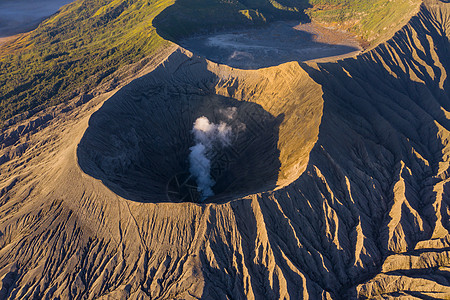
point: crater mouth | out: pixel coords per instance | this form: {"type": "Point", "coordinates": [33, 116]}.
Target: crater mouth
{"type": "Point", "coordinates": [272, 45]}
{"type": "Point", "coordinates": [144, 157]}
{"type": "Point", "coordinates": [138, 143]}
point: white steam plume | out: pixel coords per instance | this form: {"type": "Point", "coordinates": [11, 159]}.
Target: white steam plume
{"type": "Point", "coordinates": [229, 112]}
{"type": "Point", "coordinates": [207, 136]}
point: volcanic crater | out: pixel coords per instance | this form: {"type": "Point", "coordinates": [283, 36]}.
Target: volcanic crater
{"type": "Point", "coordinates": [273, 44]}
{"type": "Point", "coordinates": [138, 142]}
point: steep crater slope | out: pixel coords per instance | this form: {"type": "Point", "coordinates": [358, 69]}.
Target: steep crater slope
{"type": "Point", "coordinates": [54, 63]}
{"type": "Point", "coordinates": [188, 17]}
{"type": "Point", "coordinates": [256, 34]}
{"type": "Point", "coordinates": [380, 165]}
{"type": "Point", "coordinates": [138, 142]}
{"type": "Point", "coordinates": [373, 21]}
{"type": "Point", "coordinates": [368, 216]}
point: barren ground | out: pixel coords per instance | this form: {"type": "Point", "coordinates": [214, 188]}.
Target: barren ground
{"type": "Point", "coordinates": [359, 207]}
{"type": "Point", "coordinates": [272, 45]}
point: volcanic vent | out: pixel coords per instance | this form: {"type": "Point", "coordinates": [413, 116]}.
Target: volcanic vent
{"type": "Point", "coordinates": [138, 143]}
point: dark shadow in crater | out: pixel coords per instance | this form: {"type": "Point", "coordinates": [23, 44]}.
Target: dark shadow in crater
{"type": "Point", "coordinates": [138, 142]}
{"type": "Point", "coordinates": [191, 17]}
{"type": "Point", "coordinates": [272, 45]}
{"type": "Point", "coordinates": [252, 43]}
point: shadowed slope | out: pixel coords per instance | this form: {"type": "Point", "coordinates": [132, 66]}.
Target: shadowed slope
{"type": "Point", "coordinates": [187, 17]}
{"type": "Point", "coordinates": [361, 208]}
{"type": "Point", "coordinates": [138, 142]}
{"type": "Point", "coordinates": [381, 167]}
{"type": "Point", "coordinates": [140, 249]}
{"type": "Point", "coordinates": [273, 45]}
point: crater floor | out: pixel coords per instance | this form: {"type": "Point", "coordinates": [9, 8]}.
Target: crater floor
{"type": "Point", "coordinates": [275, 44]}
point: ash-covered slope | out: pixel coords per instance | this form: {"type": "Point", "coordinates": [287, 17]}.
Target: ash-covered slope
{"type": "Point", "coordinates": [392, 162]}
{"type": "Point", "coordinates": [359, 207]}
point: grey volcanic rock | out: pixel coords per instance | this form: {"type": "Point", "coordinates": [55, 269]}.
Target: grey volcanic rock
{"type": "Point", "coordinates": [359, 207]}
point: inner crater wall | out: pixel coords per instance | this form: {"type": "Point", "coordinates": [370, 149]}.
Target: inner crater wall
{"type": "Point", "coordinates": [138, 142]}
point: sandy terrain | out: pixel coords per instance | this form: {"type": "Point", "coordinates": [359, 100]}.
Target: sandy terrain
{"type": "Point", "coordinates": [360, 208]}
{"type": "Point", "coordinates": [269, 46]}
{"type": "Point", "coordinates": [18, 16]}
{"type": "Point", "coordinates": [5, 39]}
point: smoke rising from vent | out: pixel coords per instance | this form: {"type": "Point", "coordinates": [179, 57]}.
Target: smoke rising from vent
{"type": "Point", "coordinates": [229, 112]}
{"type": "Point", "coordinates": [209, 137]}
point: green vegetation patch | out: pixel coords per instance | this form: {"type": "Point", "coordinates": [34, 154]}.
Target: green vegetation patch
{"type": "Point", "coordinates": [372, 20]}
{"type": "Point", "coordinates": [75, 50]}
{"type": "Point", "coordinates": [88, 40]}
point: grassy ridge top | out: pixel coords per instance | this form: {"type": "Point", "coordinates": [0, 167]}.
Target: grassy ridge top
{"type": "Point", "coordinates": [88, 40]}
{"type": "Point", "coordinates": [74, 50]}
{"type": "Point", "coordinates": [372, 20]}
